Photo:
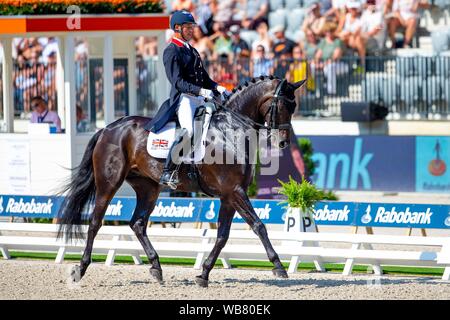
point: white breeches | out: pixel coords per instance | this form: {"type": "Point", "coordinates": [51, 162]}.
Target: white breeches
{"type": "Point", "coordinates": [186, 111]}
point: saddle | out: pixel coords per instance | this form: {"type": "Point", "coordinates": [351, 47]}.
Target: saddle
{"type": "Point", "coordinates": [158, 144]}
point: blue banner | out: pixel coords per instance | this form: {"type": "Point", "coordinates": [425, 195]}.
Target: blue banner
{"type": "Point", "coordinates": [269, 211]}
{"type": "Point", "coordinates": [365, 163]}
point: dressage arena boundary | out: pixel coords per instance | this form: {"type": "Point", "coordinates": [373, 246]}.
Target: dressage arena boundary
{"type": "Point", "coordinates": [197, 243]}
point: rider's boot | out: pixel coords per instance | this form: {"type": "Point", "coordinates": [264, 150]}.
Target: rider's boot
{"type": "Point", "coordinates": [169, 175]}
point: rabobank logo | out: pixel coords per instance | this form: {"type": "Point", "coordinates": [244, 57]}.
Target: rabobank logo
{"type": "Point", "coordinates": [210, 214]}
{"type": "Point", "coordinates": [31, 206]}
{"type": "Point", "coordinates": [327, 214]}
{"type": "Point", "coordinates": [173, 211]}
{"type": "Point", "coordinates": [1, 205]}
{"type": "Point", "coordinates": [406, 216]}
{"type": "Point", "coordinates": [446, 222]}
{"type": "Point", "coordinates": [366, 218]}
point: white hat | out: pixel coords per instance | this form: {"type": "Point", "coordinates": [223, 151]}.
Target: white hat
{"type": "Point", "coordinates": [278, 28]}
{"type": "Point", "coordinates": [354, 5]}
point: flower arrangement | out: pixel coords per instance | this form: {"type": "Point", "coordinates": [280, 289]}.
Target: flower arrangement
{"type": "Point", "coordinates": [45, 7]}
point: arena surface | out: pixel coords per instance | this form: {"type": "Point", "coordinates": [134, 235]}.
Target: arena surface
{"type": "Point", "coordinates": [27, 279]}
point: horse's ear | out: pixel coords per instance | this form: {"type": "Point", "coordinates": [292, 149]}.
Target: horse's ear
{"type": "Point", "coordinates": [298, 85]}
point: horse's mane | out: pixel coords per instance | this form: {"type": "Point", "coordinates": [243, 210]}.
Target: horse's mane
{"type": "Point", "coordinates": [238, 90]}
{"type": "Point", "coordinates": [225, 120]}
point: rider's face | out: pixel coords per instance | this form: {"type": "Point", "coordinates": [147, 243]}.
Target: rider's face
{"type": "Point", "coordinates": [187, 31]}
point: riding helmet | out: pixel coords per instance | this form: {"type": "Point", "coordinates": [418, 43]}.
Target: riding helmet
{"type": "Point", "coordinates": [181, 17]}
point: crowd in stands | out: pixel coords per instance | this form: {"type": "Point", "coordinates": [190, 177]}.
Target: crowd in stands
{"type": "Point", "coordinates": [241, 39]}
{"type": "Point", "coordinates": [269, 32]}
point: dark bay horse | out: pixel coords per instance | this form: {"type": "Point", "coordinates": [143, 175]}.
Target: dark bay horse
{"type": "Point", "coordinates": [118, 153]}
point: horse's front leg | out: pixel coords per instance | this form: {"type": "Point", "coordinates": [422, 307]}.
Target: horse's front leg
{"type": "Point", "coordinates": [242, 204]}
{"type": "Point", "coordinates": [225, 219]}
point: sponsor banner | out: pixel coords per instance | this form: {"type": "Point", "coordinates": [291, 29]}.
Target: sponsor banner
{"type": "Point", "coordinates": [29, 206]}
{"type": "Point", "coordinates": [335, 213]}
{"type": "Point", "coordinates": [269, 211]}
{"type": "Point", "coordinates": [432, 164]}
{"type": "Point", "coordinates": [366, 163]}
{"type": "Point", "coordinates": [403, 215]}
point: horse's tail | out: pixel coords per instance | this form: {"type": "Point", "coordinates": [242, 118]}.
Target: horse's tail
{"type": "Point", "coordinates": [80, 193]}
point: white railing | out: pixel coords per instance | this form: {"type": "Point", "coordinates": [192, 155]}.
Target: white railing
{"type": "Point", "coordinates": [242, 245]}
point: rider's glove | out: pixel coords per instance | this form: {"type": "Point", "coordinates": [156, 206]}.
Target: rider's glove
{"type": "Point", "coordinates": [208, 94]}
{"type": "Point", "coordinates": [223, 91]}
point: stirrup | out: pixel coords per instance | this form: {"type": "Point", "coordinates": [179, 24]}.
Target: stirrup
{"type": "Point", "coordinates": [173, 177]}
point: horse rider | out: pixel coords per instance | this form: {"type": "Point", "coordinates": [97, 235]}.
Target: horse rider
{"type": "Point", "coordinates": [190, 83]}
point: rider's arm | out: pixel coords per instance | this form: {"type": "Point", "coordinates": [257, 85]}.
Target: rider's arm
{"type": "Point", "coordinates": [172, 66]}
{"type": "Point", "coordinates": [208, 83]}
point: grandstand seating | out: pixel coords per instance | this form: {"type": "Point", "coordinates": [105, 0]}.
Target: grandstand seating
{"type": "Point", "coordinates": [292, 4]}
{"type": "Point", "coordinates": [277, 17]}
{"type": "Point", "coordinates": [276, 4]}
{"type": "Point", "coordinates": [295, 19]}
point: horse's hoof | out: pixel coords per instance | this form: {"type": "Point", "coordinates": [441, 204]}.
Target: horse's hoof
{"type": "Point", "coordinates": [201, 282]}
{"type": "Point", "coordinates": [280, 273]}
{"type": "Point", "coordinates": [157, 274]}
{"type": "Point", "coordinates": [75, 274]}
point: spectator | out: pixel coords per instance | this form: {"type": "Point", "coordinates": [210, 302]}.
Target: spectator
{"type": "Point", "coordinates": [204, 17]}
{"type": "Point", "coordinates": [225, 10]}
{"type": "Point", "coordinates": [261, 66]}
{"type": "Point", "coordinates": [328, 55]}
{"type": "Point", "coordinates": [309, 46]}
{"type": "Point", "coordinates": [325, 5]}
{"type": "Point", "coordinates": [281, 65]}
{"type": "Point", "coordinates": [239, 47]}
{"type": "Point", "coordinates": [255, 13]}
{"type": "Point", "coordinates": [82, 123]}
{"type": "Point", "coordinates": [314, 21]}
{"type": "Point", "coordinates": [404, 14]}
{"type": "Point", "coordinates": [222, 44]}
{"type": "Point", "coordinates": [203, 44]}
{"type": "Point", "coordinates": [241, 55]}
{"type": "Point", "coordinates": [263, 39]}
{"type": "Point", "coordinates": [351, 33]}
{"type": "Point", "coordinates": [299, 70]}
{"type": "Point", "coordinates": [41, 114]}
{"type": "Point", "coordinates": [187, 5]}
{"type": "Point", "coordinates": [282, 45]}
{"type": "Point", "coordinates": [373, 31]}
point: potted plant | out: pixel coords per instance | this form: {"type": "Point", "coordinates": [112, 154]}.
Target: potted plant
{"type": "Point", "coordinates": [301, 198]}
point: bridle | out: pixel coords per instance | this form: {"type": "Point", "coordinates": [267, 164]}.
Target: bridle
{"type": "Point", "coordinates": [273, 109]}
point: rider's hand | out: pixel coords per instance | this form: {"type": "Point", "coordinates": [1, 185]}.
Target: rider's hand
{"type": "Point", "coordinates": [223, 91]}
{"type": "Point", "coordinates": [208, 94]}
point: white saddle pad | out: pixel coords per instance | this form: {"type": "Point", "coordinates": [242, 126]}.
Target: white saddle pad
{"type": "Point", "coordinates": [158, 144]}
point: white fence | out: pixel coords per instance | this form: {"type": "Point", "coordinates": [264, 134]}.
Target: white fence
{"type": "Point", "coordinates": [197, 243]}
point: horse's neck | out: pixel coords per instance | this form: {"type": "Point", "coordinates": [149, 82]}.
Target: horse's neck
{"type": "Point", "coordinates": [247, 106]}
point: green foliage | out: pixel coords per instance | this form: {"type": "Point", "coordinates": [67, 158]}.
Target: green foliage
{"type": "Point", "coordinates": [307, 153]}
{"type": "Point", "coordinates": [303, 195]}
{"type": "Point", "coordinates": [31, 7]}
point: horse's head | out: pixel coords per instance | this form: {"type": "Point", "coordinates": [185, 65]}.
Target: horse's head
{"type": "Point", "coordinates": [277, 107]}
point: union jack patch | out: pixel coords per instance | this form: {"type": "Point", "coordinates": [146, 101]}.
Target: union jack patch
{"type": "Point", "coordinates": [160, 144]}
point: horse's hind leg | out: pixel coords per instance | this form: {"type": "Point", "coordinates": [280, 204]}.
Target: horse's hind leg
{"type": "Point", "coordinates": [242, 204]}
{"type": "Point", "coordinates": [226, 214]}
{"type": "Point", "coordinates": [147, 192]}
{"type": "Point", "coordinates": [107, 181]}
